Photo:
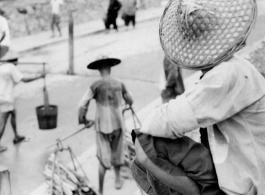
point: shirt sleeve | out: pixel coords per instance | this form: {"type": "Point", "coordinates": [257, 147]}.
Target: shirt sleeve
{"type": "Point", "coordinates": [16, 74]}
{"type": "Point", "coordinates": [83, 105]}
{"type": "Point", "coordinates": [223, 92]}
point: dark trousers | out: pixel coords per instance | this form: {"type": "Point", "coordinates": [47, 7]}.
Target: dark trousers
{"type": "Point", "coordinates": [111, 21]}
{"type": "Point", "coordinates": [129, 19]}
{"type": "Point", "coordinates": [56, 23]}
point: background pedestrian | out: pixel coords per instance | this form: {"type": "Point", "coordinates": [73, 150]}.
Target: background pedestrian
{"type": "Point", "coordinates": [56, 18]}
{"type": "Point", "coordinates": [129, 8]}
{"type": "Point", "coordinates": [112, 14]}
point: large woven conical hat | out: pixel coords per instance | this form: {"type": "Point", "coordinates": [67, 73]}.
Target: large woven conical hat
{"type": "Point", "coordinates": [199, 34]}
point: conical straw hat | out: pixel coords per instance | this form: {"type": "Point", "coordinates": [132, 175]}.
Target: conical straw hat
{"type": "Point", "coordinates": [199, 34]}
{"type": "Point", "coordinates": [103, 60]}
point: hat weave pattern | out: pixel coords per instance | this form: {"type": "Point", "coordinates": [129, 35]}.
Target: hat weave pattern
{"type": "Point", "coordinates": [199, 34]}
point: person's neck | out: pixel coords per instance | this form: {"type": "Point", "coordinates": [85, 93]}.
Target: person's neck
{"type": "Point", "coordinates": [104, 74]}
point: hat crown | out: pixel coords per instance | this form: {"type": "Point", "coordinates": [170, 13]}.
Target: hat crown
{"type": "Point", "coordinates": [198, 34]}
{"type": "Point", "coordinates": [102, 57]}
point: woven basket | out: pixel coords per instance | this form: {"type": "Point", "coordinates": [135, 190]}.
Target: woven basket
{"type": "Point", "coordinates": [199, 34]}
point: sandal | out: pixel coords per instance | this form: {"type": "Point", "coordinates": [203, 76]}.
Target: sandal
{"type": "Point", "coordinates": [18, 139]}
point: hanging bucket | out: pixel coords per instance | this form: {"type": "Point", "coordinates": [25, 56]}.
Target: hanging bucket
{"type": "Point", "coordinates": [46, 114]}
{"type": "Point", "coordinates": [47, 117]}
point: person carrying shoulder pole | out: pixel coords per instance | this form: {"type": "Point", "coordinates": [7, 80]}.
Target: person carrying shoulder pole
{"type": "Point", "coordinates": [109, 123]}
{"type": "Point", "coordinates": [9, 77]}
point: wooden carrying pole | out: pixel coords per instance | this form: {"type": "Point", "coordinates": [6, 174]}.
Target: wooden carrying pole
{"type": "Point", "coordinates": [45, 93]}
{"type": "Point", "coordinates": [88, 125]}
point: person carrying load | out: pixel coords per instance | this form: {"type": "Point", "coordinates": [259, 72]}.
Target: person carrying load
{"type": "Point", "coordinates": [109, 123]}
{"type": "Point", "coordinates": [228, 100]}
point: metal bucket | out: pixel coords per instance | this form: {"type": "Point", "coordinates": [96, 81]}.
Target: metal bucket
{"type": "Point", "coordinates": [47, 117]}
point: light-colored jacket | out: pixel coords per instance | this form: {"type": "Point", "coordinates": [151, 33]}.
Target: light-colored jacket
{"type": "Point", "coordinates": [230, 101]}
{"type": "Point", "coordinates": [129, 7]}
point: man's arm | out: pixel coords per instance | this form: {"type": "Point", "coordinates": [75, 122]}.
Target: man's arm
{"type": "Point", "coordinates": [29, 79]}
{"type": "Point", "coordinates": [126, 96]}
{"type": "Point", "coordinates": [83, 106]}
{"type": "Point", "coordinates": [181, 184]}
{"type": "Point", "coordinates": [223, 92]}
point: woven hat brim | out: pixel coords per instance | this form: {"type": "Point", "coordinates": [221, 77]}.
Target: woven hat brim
{"type": "Point", "coordinates": [207, 36]}
{"type": "Point", "coordinates": [98, 63]}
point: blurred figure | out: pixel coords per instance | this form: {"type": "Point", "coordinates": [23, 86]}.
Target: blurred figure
{"type": "Point", "coordinates": [174, 83]}
{"type": "Point", "coordinates": [4, 34]}
{"type": "Point", "coordinates": [109, 123]}
{"type": "Point", "coordinates": [112, 14]}
{"type": "Point", "coordinates": [9, 77]}
{"type": "Point", "coordinates": [129, 8]}
{"type": "Point", "coordinates": [56, 19]}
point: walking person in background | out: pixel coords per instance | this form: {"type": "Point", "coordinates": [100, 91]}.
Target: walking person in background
{"type": "Point", "coordinates": [4, 34]}
{"type": "Point", "coordinates": [129, 8]}
{"type": "Point", "coordinates": [9, 77]}
{"type": "Point", "coordinates": [56, 19]}
{"type": "Point", "coordinates": [109, 122]}
{"type": "Point", "coordinates": [112, 14]}
{"type": "Point", "coordinates": [174, 83]}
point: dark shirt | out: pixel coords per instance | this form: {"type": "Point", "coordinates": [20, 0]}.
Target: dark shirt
{"type": "Point", "coordinates": [113, 9]}
{"type": "Point", "coordinates": [185, 153]}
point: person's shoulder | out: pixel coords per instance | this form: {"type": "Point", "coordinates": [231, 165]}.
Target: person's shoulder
{"type": "Point", "coordinates": [230, 68]}
{"type": "Point", "coordinates": [118, 81]}
{"type": "Point", "coordinates": [233, 71]}
{"type": "Point", "coordinates": [96, 83]}
{"type": "Point", "coordinates": [114, 79]}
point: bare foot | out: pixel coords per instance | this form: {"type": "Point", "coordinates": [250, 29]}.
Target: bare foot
{"type": "Point", "coordinates": [118, 183]}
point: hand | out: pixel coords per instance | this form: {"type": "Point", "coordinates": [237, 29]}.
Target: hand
{"type": "Point", "coordinates": [141, 157]}
{"type": "Point", "coordinates": [42, 75]}
{"type": "Point", "coordinates": [88, 123]}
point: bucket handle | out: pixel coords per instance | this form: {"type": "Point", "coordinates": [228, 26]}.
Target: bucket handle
{"type": "Point", "coordinates": [45, 93]}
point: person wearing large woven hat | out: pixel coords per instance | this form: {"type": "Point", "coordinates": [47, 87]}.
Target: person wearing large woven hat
{"type": "Point", "coordinates": [109, 94]}
{"type": "Point", "coordinates": [9, 77]}
{"type": "Point", "coordinates": [228, 100]}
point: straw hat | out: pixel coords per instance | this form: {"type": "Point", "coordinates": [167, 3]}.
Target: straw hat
{"type": "Point", "coordinates": [199, 34]}
{"type": "Point", "coordinates": [103, 60]}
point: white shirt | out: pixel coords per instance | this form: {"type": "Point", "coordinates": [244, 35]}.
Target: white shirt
{"type": "Point", "coordinates": [56, 6]}
{"type": "Point", "coordinates": [4, 29]}
{"type": "Point", "coordinates": [230, 101]}
{"type": "Point", "coordinates": [9, 76]}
